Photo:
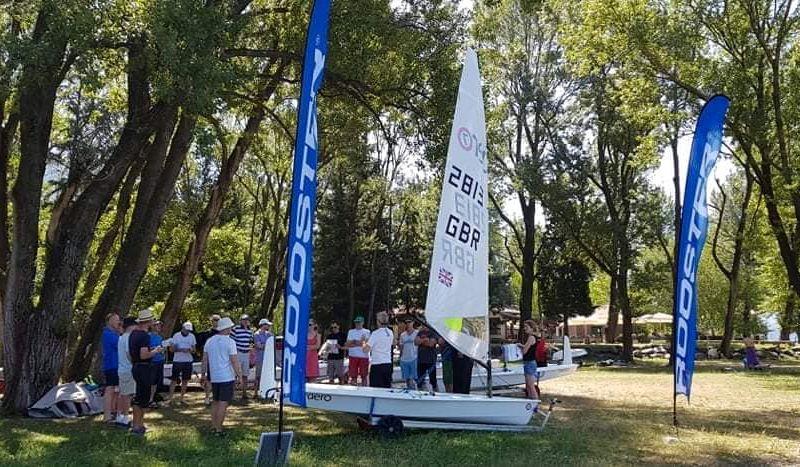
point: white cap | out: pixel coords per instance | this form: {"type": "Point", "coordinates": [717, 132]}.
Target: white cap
{"type": "Point", "coordinates": [188, 326]}
{"type": "Point", "coordinates": [224, 324]}
{"type": "Point", "coordinates": [264, 321]}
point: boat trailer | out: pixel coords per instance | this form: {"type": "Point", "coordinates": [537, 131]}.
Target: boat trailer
{"type": "Point", "coordinates": [392, 426]}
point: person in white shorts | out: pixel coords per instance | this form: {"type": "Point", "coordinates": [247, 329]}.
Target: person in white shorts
{"type": "Point", "coordinates": [127, 386]}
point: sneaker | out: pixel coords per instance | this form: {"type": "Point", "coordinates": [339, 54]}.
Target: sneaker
{"type": "Point", "coordinates": [123, 421]}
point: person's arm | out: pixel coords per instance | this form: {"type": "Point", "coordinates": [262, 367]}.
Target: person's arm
{"type": "Point", "coordinates": [237, 369]}
{"type": "Point", "coordinates": [367, 346]}
{"type": "Point", "coordinates": [144, 350]}
{"type": "Point", "coordinates": [531, 341]}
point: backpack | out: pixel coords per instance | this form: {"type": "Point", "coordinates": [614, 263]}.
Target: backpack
{"type": "Point", "coordinates": [540, 353]}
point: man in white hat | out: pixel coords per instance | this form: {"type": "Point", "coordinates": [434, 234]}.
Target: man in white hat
{"type": "Point", "coordinates": [202, 337]}
{"type": "Point", "coordinates": [141, 356]}
{"type": "Point", "coordinates": [243, 337]}
{"type": "Point", "coordinates": [183, 344]}
{"type": "Point", "coordinates": [259, 342]}
{"type": "Point", "coordinates": [220, 361]}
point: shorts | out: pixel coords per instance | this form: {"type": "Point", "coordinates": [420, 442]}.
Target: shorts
{"type": "Point", "coordinates": [244, 362]}
{"type": "Point", "coordinates": [181, 371]}
{"type": "Point", "coordinates": [336, 370]}
{"type": "Point", "coordinates": [408, 369]}
{"type": "Point", "coordinates": [127, 386]}
{"type": "Point", "coordinates": [447, 372]}
{"type": "Point", "coordinates": [143, 376]}
{"type": "Point", "coordinates": [157, 370]}
{"type": "Point", "coordinates": [358, 366]}
{"type": "Point", "coordinates": [380, 375]}
{"type": "Point", "coordinates": [222, 392]}
{"type": "Point", "coordinates": [530, 368]}
{"type": "Point", "coordinates": [110, 378]}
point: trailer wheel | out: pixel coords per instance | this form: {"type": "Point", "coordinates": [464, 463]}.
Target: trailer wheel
{"type": "Point", "coordinates": [363, 424]}
{"type": "Point", "coordinates": [390, 427]}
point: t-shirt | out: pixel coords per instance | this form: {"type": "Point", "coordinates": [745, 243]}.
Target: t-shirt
{"type": "Point", "coordinates": [110, 356]}
{"type": "Point", "coordinates": [155, 341]}
{"type": "Point", "coordinates": [357, 335]}
{"type": "Point", "coordinates": [125, 364]}
{"type": "Point", "coordinates": [138, 340]}
{"type": "Point", "coordinates": [202, 337]}
{"type": "Point", "coordinates": [425, 354]}
{"type": "Point", "coordinates": [380, 345]}
{"type": "Point", "coordinates": [341, 339]}
{"type": "Point", "coordinates": [219, 349]}
{"type": "Point", "coordinates": [408, 349]}
{"type": "Point", "coordinates": [447, 353]}
{"type": "Point", "coordinates": [242, 337]}
{"type": "Point", "coordinates": [260, 340]}
{"type": "Point", "coordinates": [181, 342]}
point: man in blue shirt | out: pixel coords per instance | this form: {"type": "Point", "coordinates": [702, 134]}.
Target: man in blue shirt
{"type": "Point", "coordinates": [157, 364]}
{"type": "Point", "coordinates": [110, 362]}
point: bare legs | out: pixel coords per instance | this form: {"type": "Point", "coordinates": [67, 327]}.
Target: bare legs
{"type": "Point", "coordinates": [531, 388]}
{"type": "Point", "coordinates": [218, 411]}
{"type": "Point", "coordinates": [138, 418]}
{"type": "Point", "coordinates": [110, 396]}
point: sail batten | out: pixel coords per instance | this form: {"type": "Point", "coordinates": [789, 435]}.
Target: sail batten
{"type": "Point", "coordinates": [457, 304]}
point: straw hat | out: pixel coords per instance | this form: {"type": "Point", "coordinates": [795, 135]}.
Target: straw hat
{"type": "Point", "coordinates": [145, 316]}
{"type": "Point", "coordinates": [224, 324]}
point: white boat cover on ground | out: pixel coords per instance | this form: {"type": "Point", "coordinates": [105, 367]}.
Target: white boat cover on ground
{"type": "Point", "coordinates": [457, 305]}
{"type": "Point", "coordinates": [68, 400]}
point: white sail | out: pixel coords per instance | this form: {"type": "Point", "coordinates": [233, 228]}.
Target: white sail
{"type": "Point", "coordinates": [457, 306]}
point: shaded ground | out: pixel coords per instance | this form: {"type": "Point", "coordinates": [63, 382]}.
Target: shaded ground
{"type": "Point", "coordinates": [608, 416]}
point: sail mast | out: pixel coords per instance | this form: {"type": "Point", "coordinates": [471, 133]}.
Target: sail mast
{"type": "Point", "coordinates": [457, 305]}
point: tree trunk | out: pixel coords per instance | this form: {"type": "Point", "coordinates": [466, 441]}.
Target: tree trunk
{"type": "Point", "coordinates": [733, 277]}
{"type": "Point", "coordinates": [528, 277]}
{"type": "Point", "coordinates": [208, 219]}
{"type": "Point", "coordinates": [39, 82]}
{"type": "Point", "coordinates": [66, 257]}
{"type": "Point", "coordinates": [7, 132]}
{"type": "Point", "coordinates": [788, 319]}
{"type": "Point", "coordinates": [107, 242]}
{"type": "Point", "coordinates": [156, 186]}
{"type": "Point", "coordinates": [613, 312]}
{"type": "Point", "coordinates": [625, 306]}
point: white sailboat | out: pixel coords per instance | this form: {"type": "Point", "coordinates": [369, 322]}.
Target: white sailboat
{"type": "Point", "coordinates": [458, 294]}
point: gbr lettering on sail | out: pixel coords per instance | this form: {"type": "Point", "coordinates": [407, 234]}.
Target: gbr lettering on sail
{"type": "Point", "coordinates": [467, 221]}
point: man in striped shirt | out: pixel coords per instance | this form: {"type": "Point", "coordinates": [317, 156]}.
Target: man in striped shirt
{"type": "Point", "coordinates": [243, 336]}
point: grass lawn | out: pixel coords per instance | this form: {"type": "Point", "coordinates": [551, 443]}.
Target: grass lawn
{"type": "Point", "coordinates": [608, 416]}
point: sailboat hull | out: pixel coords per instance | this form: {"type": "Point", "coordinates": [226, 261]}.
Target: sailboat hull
{"type": "Point", "coordinates": [418, 405]}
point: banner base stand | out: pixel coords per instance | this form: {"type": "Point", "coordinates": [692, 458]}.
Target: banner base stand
{"type": "Point", "coordinates": [268, 455]}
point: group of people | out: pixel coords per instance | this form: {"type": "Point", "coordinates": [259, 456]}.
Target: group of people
{"type": "Point", "coordinates": [133, 361]}
{"type": "Point", "coordinates": [133, 357]}
{"type": "Point", "coordinates": [369, 356]}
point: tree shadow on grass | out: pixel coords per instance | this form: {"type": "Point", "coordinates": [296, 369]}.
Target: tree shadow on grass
{"type": "Point", "coordinates": [583, 430]}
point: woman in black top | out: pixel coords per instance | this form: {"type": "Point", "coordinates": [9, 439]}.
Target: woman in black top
{"type": "Point", "coordinates": [529, 359]}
